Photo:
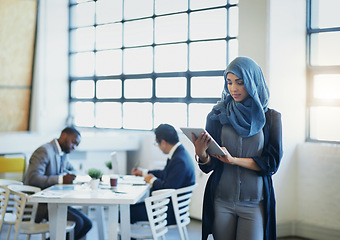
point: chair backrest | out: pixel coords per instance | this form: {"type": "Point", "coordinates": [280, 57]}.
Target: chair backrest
{"type": "Point", "coordinates": [19, 199]}
{"type": "Point", "coordinates": [181, 199]}
{"type": "Point", "coordinates": [4, 196]}
{"type": "Point", "coordinates": [156, 208]}
{"type": "Point", "coordinates": [12, 166]}
{"type": "Point", "coordinates": [30, 208]}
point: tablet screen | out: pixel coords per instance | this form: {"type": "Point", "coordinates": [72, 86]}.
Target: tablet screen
{"type": "Point", "coordinates": [214, 148]}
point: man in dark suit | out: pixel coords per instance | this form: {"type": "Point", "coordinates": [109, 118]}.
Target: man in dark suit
{"type": "Point", "coordinates": [179, 171]}
{"type": "Point", "coordinates": [48, 166]}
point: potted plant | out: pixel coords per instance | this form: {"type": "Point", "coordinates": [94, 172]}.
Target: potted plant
{"type": "Point", "coordinates": [108, 164]}
{"type": "Point", "coordinates": [95, 175]}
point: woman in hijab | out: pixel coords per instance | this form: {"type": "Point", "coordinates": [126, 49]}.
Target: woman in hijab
{"type": "Point", "coordinates": [239, 200]}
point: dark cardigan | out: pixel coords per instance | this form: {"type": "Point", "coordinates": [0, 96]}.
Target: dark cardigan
{"type": "Point", "coordinates": [269, 162]}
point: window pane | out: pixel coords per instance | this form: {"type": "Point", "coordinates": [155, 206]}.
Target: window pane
{"type": "Point", "coordinates": [325, 49]}
{"type": "Point", "coordinates": [198, 113]}
{"type": "Point", "coordinates": [171, 87]}
{"type": "Point", "coordinates": [109, 115]}
{"type": "Point", "coordinates": [83, 113]}
{"type": "Point", "coordinates": [208, 55]}
{"type": "Point", "coordinates": [109, 89]}
{"type": "Point", "coordinates": [109, 36]}
{"type": "Point", "coordinates": [138, 8]}
{"type": "Point", "coordinates": [82, 39]}
{"type": "Point", "coordinates": [324, 123]}
{"type": "Point", "coordinates": [137, 33]}
{"type": "Point", "coordinates": [82, 89]}
{"type": "Point", "coordinates": [165, 6]}
{"type": "Point", "coordinates": [108, 63]}
{"type": "Point", "coordinates": [82, 14]}
{"type": "Point", "coordinates": [207, 87]}
{"type": "Point", "coordinates": [108, 11]}
{"type": "Point", "coordinates": [325, 13]}
{"type": "Point", "coordinates": [198, 4]}
{"type": "Point", "coordinates": [171, 58]}
{"type": "Point", "coordinates": [138, 88]}
{"type": "Point", "coordinates": [172, 28]}
{"type": "Point", "coordinates": [208, 24]}
{"type": "Point", "coordinates": [82, 64]}
{"type": "Point", "coordinates": [138, 60]}
{"type": "Point", "coordinates": [137, 116]}
{"type": "Point", "coordinates": [171, 113]}
{"type": "Point", "coordinates": [327, 86]}
{"type": "Point", "coordinates": [233, 21]}
{"type": "Point", "coordinates": [233, 49]}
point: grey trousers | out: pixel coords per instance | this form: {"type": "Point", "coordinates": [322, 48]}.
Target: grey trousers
{"type": "Point", "coordinates": [238, 221]}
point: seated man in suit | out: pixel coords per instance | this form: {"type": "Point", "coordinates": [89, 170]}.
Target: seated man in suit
{"type": "Point", "coordinates": [48, 166]}
{"type": "Point", "coordinates": [179, 171]}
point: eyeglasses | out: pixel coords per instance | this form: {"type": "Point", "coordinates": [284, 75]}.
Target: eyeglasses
{"type": "Point", "coordinates": [156, 143]}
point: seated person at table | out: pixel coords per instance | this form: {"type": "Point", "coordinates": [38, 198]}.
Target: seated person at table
{"type": "Point", "coordinates": [48, 166]}
{"type": "Point", "coordinates": [179, 171]}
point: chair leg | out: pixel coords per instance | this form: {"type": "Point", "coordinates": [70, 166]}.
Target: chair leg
{"type": "Point", "coordinates": [9, 231]}
{"type": "Point", "coordinates": [28, 237]}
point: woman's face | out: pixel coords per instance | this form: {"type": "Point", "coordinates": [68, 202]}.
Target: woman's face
{"type": "Point", "coordinates": [236, 87]}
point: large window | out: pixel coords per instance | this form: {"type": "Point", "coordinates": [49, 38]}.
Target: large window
{"type": "Point", "coordinates": [137, 63]}
{"type": "Point", "coordinates": [323, 32]}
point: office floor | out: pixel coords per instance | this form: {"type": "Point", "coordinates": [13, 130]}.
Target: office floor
{"type": "Point", "coordinates": [194, 229]}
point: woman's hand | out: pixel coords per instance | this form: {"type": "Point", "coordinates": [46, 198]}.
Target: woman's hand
{"type": "Point", "coordinates": [225, 158]}
{"type": "Point", "coordinates": [201, 144]}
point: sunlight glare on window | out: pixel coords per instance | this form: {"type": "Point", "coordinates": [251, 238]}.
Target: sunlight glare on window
{"type": "Point", "coordinates": [171, 87]}
{"type": "Point", "coordinates": [82, 89]}
{"type": "Point", "coordinates": [82, 14]}
{"type": "Point", "coordinates": [324, 123]}
{"type": "Point", "coordinates": [82, 64]}
{"type": "Point", "coordinates": [208, 24]}
{"type": "Point", "coordinates": [109, 36]}
{"type": "Point", "coordinates": [109, 89]}
{"type": "Point", "coordinates": [138, 33]}
{"type": "Point", "coordinates": [109, 115]}
{"type": "Point", "coordinates": [137, 115]}
{"type": "Point", "coordinates": [173, 28]}
{"type": "Point", "coordinates": [138, 8]}
{"type": "Point", "coordinates": [171, 58]}
{"type": "Point", "coordinates": [164, 6]}
{"type": "Point", "coordinates": [138, 60]}
{"type": "Point", "coordinates": [171, 113]}
{"type": "Point", "coordinates": [82, 39]}
{"type": "Point", "coordinates": [207, 87]}
{"type": "Point", "coordinates": [199, 4]}
{"type": "Point", "coordinates": [108, 11]}
{"type": "Point", "coordinates": [326, 49]}
{"type": "Point", "coordinates": [83, 113]}
{"type": "Point", "coordinates": [325, 13]}
{"type": "Point", "coordinates": [327, 86]}
{"type": "Point", "coordinates": [198, 113]}
{"type": "Point", "coordinates": [208, 55]}
{"type": "Point", "coordinates": [108, 62]}
{"type": "Point", "coordinates": [138, 88]}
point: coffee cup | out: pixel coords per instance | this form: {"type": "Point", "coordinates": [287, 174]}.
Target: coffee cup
{"type": "Point", "coordinates": [113, 180]}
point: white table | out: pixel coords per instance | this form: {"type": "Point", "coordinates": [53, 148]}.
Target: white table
{"type": "Point", "coordinates": [59, 197]}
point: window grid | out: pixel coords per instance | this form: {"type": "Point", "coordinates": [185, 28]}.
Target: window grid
{"type": "Point", "coordinates": [317, 104]}
{"type": "Point", "coordinates": [153, 75]}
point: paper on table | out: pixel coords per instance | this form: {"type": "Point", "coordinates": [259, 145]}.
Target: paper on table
{"type": "Point", "coordinates": [50, 194]}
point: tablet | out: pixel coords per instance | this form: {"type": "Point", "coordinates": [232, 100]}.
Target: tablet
{"type": "Point", "coordinates": [214, 148]}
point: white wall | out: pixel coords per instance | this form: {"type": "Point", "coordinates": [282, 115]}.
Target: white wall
{"type": "Point", "coordinates": [273, 33]}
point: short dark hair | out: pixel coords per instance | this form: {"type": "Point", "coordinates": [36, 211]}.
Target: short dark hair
{"type": "Point", "coordinates": [167, 133]}
{"type": "Point", "coordinates": [70, 131]}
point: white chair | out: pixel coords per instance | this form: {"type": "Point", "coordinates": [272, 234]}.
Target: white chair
{"type": "Point", "coordinates": [8, 215]}
{"type": "Point", "coordinates": [4, 196]}
{"type": "Point", "coordinates": [156, 208]}
{"type": "Point", "coordinates": [26, 212]}
{"type": "Point", "coordinates": [181, 199]}
{"type": "Point", "coordinates": [19, 199]}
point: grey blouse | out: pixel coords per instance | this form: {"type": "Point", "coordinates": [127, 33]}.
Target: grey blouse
{"type": "Point", "coordinates": [238, 184]}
